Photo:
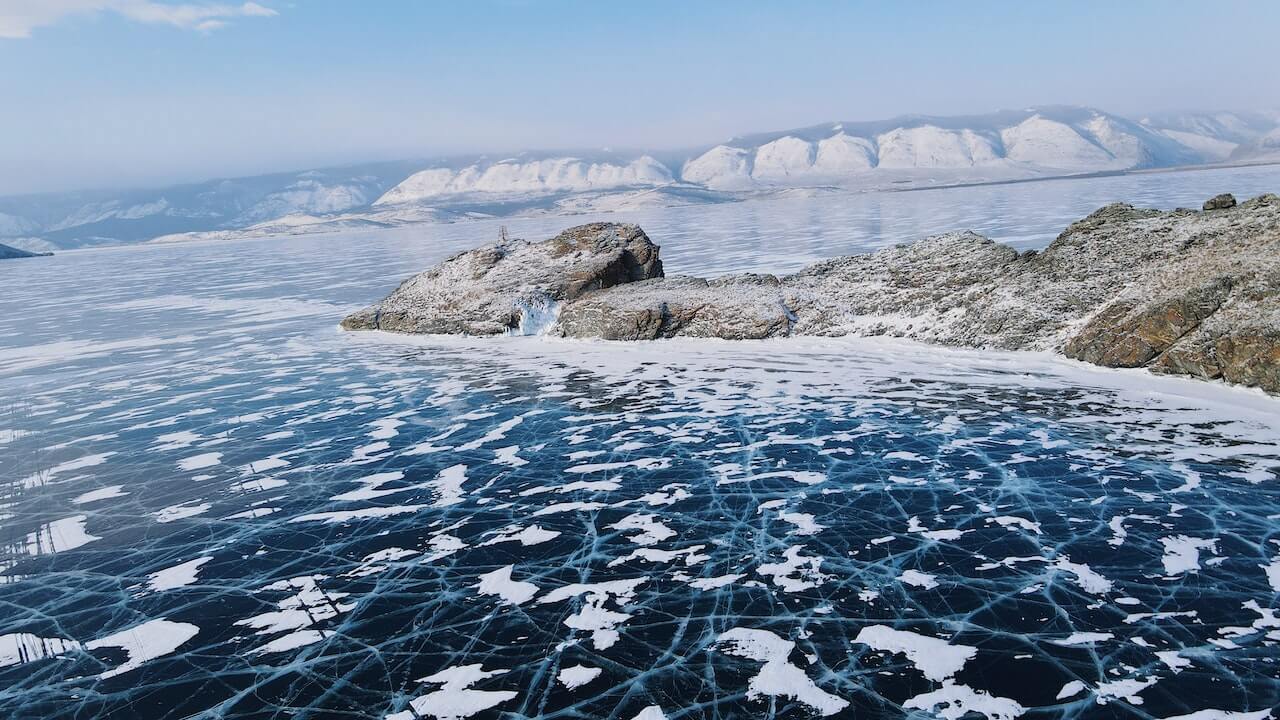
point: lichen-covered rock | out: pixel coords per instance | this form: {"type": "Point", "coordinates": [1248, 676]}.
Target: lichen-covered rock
{"type": "Point", "coordinates": [497, 288]}
{"type": "Point", "coordinates": [1240, 344]}
{"type": "Point", "coordinates": [1251, 356]}
{"type": "Point", "coordinates": [1129, 333]}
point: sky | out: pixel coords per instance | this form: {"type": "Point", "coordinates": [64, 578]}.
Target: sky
{"type": "Point", "coordinates": [133, 93]}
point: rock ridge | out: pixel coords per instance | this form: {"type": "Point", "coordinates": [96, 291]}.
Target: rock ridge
{"type": "Point", "coordinates": [1179, 292]}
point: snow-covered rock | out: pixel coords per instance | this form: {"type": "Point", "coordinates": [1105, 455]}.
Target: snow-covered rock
{"type": "Point", "coordinates": [1182, 292]}
{"type": "Point", "coordinates": [1185, 292]}
{"type": "Point", "coordinates": [507, 286]}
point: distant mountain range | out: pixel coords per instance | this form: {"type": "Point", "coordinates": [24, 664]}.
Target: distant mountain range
{"type": "Point", "coordinates": [902, 152]}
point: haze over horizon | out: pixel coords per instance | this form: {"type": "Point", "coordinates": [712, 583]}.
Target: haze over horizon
{"type": "Point", "coordinates": [143, 93]}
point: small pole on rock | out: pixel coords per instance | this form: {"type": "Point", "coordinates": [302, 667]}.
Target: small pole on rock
{"type": "Point", "coordinates": [502, 233]}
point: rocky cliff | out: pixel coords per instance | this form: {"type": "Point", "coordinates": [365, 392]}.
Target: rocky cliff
{"type": "Point", "coordinates": [1184, 292]}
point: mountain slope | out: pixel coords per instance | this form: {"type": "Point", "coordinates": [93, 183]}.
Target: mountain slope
{"type": "Point", "coordinates": [1264, 148]}
{"type": "Point", "coordinates": [1219, 136]}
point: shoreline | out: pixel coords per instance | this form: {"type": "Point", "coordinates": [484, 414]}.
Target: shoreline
{"type": "Point", "coordinates": [1093, 175]}
{"type": "Point", "coordinates": [1034, 363]}
{"type": "Point", "coordinates": [770, 194]}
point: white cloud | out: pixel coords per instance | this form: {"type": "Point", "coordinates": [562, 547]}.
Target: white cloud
{"type": "Point", "coordinates": [19, 17]}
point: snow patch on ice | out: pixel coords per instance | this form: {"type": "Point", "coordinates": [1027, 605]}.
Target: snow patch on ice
{"type": "Point", "coordinates": [936, 658]}
{"type": "Point", "coordinates": [142, 643]}
{"type": "Point", "coordinates": [499, 582]}
{"type": "Point", "coordinates": [177, 576]}
{"type": "Point", "coordinates": [779, 677]}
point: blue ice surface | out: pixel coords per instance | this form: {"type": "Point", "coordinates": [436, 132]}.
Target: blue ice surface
{"type": "Point", "coordinates": [343, 509]}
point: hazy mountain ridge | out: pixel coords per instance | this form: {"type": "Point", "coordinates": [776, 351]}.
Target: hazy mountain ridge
{"type": "Point", "coordinates": [108, 217]}
{"type": "Point", "coordinates": [1221, 136]}
{"type": "Point", "coordinates": [900, 152]}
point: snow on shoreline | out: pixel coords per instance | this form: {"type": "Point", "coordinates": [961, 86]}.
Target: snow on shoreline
{"type": "Point", "coordinates": [883, 355]}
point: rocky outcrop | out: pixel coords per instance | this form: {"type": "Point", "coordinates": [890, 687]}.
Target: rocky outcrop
{"type": "Point", "coordinates": [1211, 309]}
{"type": "Point", "coordinates": [513, 285]}
{"type": "Point", "coordinates": [1220, 202]}
{"type": "Point", "coordinates": [9, 253]}
{"type": "Point", "coordinates": [1132, 333]}
{"type": "Point", "coordinates": [738, 307]}
{"type": "Point", "coordinates": [1181, 292]}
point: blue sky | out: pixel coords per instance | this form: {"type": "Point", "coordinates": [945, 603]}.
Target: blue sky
{"type": "Point", "coordinates": [109, 93]}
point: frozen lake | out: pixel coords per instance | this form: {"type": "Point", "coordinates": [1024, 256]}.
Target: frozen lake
{"type": "Point", "coordinates": [218, 505]}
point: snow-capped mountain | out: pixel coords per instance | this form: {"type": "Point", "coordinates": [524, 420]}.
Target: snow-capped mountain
{"type": "Point", "coordinates": [528, 175]}
{"type": "Point", "coordinates": [907, 151]}
{"type": "Point", "coordinates": [1037, 141]}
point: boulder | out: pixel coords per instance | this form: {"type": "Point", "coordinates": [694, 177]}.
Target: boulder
{"type": "Point", "coordinates": [1220, 202]}
{"type": "Point", "coordinates": [737, 307]}
{"type": "Point", "coordinates": [513, 285]}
